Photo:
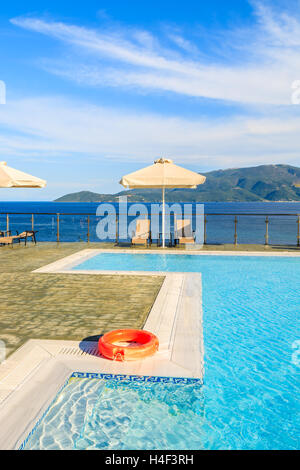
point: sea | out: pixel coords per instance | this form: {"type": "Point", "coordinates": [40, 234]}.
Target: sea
{"type": "Point", "coordinates": [78, 221]}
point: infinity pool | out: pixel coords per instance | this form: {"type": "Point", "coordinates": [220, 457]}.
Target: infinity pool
{"type": "Point", "coordinates": [249, 399]}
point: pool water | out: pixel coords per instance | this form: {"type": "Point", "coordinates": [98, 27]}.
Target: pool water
{"type": "Point", "coordinates": [122, 412]}
{"type": "Point", "coordinates": [250, 395]}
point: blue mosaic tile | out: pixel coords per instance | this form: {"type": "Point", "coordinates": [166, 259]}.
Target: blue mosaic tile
{"type": "Point", "coordinates": [134, 378]}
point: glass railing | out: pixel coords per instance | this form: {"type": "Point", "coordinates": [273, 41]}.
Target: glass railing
{"type": "Point", "coordinates": [218, 228]}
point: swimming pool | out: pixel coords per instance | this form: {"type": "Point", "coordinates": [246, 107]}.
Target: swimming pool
{"type": "Point", "coordinates": [249, 399]}
{"type": "Point", "coordinates": [251, 320]}
{"type": "Point", "coordinates": [103, 411]}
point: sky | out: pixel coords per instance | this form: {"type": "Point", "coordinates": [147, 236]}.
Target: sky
{"type": "Point", "coordinates": [98, 89]}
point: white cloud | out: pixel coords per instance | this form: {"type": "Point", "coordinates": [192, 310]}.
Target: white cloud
{"type": "Point", "coordinates": [262, 73]}
{"type": "Point", "coordinates": [259, 69]}
{"type": "Point", "coordinates": [55, 127]}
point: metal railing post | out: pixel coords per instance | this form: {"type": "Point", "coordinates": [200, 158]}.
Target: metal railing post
{"type": "Point", "coordinates": [7, 222]}
{"type": "Point", "coordinates": [204, 238]}
{"type": "Point", "coordinates": [88, 228]}
{"type": "Point", "coordinates": [32, 222]}
{"type": "Point", "coordinates": [57, 225]}
{"type": "Point", "coordinates": [298, 234]}
{"type": "Point", "coordinates": [235, 230]}
{"type": "Point", "coordinates": [267, 231]}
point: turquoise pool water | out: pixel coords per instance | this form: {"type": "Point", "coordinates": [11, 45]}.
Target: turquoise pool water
{"type": "Point", "coordinates": [122, 412]}
{"type": "Point", "coordinates": [249, 399]}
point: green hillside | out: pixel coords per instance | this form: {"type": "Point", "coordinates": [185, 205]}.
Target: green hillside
{"type": "Point", "coordinates": [260, 183]}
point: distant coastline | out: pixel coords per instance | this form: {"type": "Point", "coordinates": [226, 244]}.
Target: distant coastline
{"type": "Point", "coordinates": [265, 183]}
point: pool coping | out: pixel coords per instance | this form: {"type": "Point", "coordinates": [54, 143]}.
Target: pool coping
{"type": "Point", "coordinates": [32, 376]}
{"type": "Point", "coordinates": [65, 265]}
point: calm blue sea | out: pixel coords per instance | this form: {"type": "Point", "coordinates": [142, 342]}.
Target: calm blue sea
{"type": "Point", "coordinates": [220, 228]}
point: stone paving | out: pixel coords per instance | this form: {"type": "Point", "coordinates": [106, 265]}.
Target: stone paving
{"type": "Point", "coordinates": [58, 306]}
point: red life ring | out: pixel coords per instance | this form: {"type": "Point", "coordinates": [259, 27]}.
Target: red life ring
{"type": "Point", "coordinates": [146, 345]}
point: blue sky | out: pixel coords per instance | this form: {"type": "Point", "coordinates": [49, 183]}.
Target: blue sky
{"type": "Point", "coordinates": [99, 89]}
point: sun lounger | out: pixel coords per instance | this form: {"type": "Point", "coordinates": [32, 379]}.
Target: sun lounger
{"type": "Point", "coordinates": [25, 235]}
{"type": "Point", "coordinates": [183, 232]}
{"type": "Point", "coordinates": [5, 237]}
{"type": "Point", "coordinates": [142, 234]}
{"type": "Point", "coordinates": [6, 240]}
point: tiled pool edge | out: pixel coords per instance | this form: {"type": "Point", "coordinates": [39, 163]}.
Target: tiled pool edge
{"type": "Point", "coordinates": [133, 378]}
{"type": "Point", "coordinates": [65, 265]}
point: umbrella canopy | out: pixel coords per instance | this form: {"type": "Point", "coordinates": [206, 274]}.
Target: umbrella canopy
{"type": "Point", "coordinates": [163, 174]}
{"type": "Point", "coordinates": [11, 178]}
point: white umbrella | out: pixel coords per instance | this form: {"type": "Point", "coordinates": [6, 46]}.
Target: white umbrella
{"type": "Point", "coordinates": [163, 174]}
{"type": "Point", "coordinates": [12, 178]}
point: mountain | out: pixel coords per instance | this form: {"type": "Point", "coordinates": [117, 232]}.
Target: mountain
{"type": "Point", "coordinates": [260, 183]}
{"type": "Point", "coordinates": [85, 196]}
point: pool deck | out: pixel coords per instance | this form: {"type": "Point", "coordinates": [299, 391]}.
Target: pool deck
{"type": "Point", "coordinates": [32, 376]}
{"type": "Point", "coordinates": [66, 307]}
{"type": "Point", "coordinates": [35, 372]}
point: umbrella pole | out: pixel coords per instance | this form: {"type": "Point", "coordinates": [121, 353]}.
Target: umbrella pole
{"type": "Point", "coordinates": [163, 217]}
